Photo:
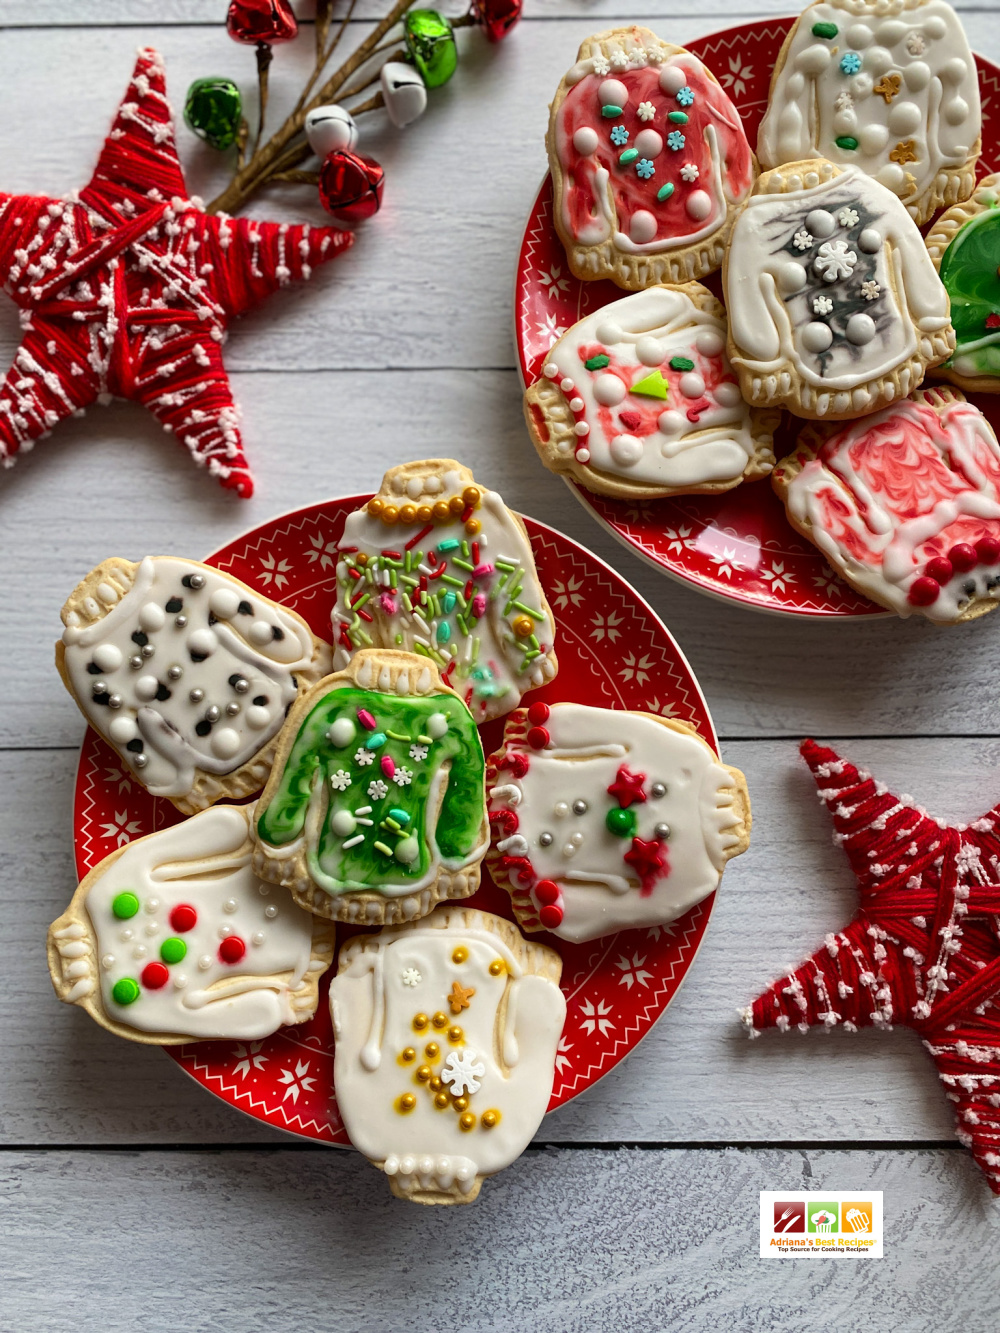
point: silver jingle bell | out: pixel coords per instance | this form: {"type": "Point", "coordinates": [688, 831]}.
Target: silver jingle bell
{"type": "Point", "coordinates": [329, 128]}
{"type": "Point", "coordinates": [403, 92]}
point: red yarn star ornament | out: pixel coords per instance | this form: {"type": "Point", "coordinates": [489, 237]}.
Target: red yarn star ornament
{"type": "Point", "coordinates": [126, 289]}
{"type": "Point", "coordinates": [923, 950]}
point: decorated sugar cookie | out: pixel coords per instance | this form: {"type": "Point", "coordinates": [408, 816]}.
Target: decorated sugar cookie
{"type": "Point", "coordinates": [375, 808]}
{"type": "Point", "coordinates": [603, 820]}
{"type": "Point", "coordinates": [639, 400]}
{"type": "Point", "coordinates": [446, 1035]}
{"type": "Point", "coordinates": [173, 938]}
{"type": "Point", "coordinates": [649, 161]}
{"type": "Point", "coordinates": [964, 244]}
{"type": "Point", "coordinates": [834, 306]}
{"type": "Point", "coordinates": [905, 504]}
{"type": "Point", "coordinates": [888, 86]}
{"type": "Point", "coordinates": [439, 566]}
{"type": "Point", "coordinates": [187, 672]}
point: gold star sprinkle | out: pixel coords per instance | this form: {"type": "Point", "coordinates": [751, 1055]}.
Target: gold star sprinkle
{"type": "Point", "coordinates": [888, 86]}
{"type": "Point", "coordinates": [460, 997]}
{"type": "Point", "coordinates": [904, 152]}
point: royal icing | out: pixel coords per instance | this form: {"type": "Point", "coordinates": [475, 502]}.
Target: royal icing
{"type": "Point", "coordinates": [833, 281]}
{"type": "Point", "coordinates": [603, 820]}
{"type": "Point", "coordinates": [652, 153]}
{"type": "Point", "coordinates": [891, 88]}
{"type": "Point", "coordinates": [185, 939]}
{"type": "Point", "coordinates": [905, 504]}
{"type": "Point", "coordinates": [969, 271]}
{"type": "Point", "coordinates": [183, 669]}
{"type": "Point", "coordinates": [437, 566]}
{"type": "Point", "coordinates": [446, 1034]}
{"type": "Point", "coordinates": [382, 785]}
{"type": "Point", "coordinates": [654, 399]}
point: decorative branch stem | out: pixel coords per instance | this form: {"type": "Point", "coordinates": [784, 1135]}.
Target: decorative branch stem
{"type": "Point", "coordinates": [264, 57]}
{"type": "Point", "coordinates": [372, 104]}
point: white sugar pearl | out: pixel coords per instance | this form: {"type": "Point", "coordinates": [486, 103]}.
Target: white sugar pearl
{"type": "Point", "coordinates": [122, 730]}
{"type": "Point", "coordinates": [585, 140]}
{"type": "Point", "coordinates": [609, 390]}
{"type": "Point", "coordinates": [648, 143]}
{"type": "Point", "coordinates": [139, 951]}
{"type": "Point", "coordinates": [791, 277]}
{"type": "Point", "coordinates": [692, 385]}
{"type": "Point", "coordinates": [709, 342]}
{"type": "Point", "coordinates": [342, 733]}
{"type": "Point", "coordinates": [437, 725]}
{"type": "Point", "coordinates": [152, 616]}
{"type": "Point", "coordinates": [550, 370]}
{"type": "Point", "coordinates": [642, 227]}
{"type": "Point", "coordinates": [152, 927]}
{"type": "Point", "coordinates": [582, 455]}
{"type": "Point", "coordinates": [180, 981]}
{"type": "Point", "coordinates": [108, 657]}
{"type": "Point", "coordinates": [567, 385]}
{"type": "Point", "coordinates": [671, 423]}
{"type": "Point", "coordinates": [817, 337]}
{"type": "Point", "coordinates": [146, 687]}
{"type": "Point", "coordinates": [257, 937]}
{"type": "Point", "coordinates": [650, 351]}
{"type": "Point", "coordinates": [224, 603]}
{"type": "Point", "coordinates": [625, 450]}
{"type": "Point", "coordinates": [343, 823]}
{"type": "Point", "coordinates": [672, 79]}
{"type": "Point", "coordinates": [152, 905]}
{"type": "Point", "coordinates": [230, 905]}
{"type": "Point", "coordinates": [257, 717]}
{"type": "Point", "coordinates": [577, 404]}
{"type": "Point", "coordinates": [613, 92]}
{"type": "Point", "coordinates": [820, 223]}
{"type": "Point", "coordinates": [202, 642]}
{"type": "Point", "coordinates": [225, 742]}
{"type": "Point", "coordinates": [270, 911]}
{"type": "Point", "coordinates": [205, 962]}
{"type": "Point", "coordinates": [561, 809]}
{"type": "Point", "coordinates": [860, 329]}
{"type": "Point", "coordinates": [581, 428]}
{"type": "Point", "coordinates": [699, 205]}
{"type": "Point", "coordinates": [260, 633]}
{"type": "Point", "coordinates": [108, 962]}
{"type": "Point", "coordinates": [870, 240]}
{"type": "Point", "coordinates": [126, 934]}
{"type": "Point", "coordinates": [569, 849]}
{"type": "Point", "coordinates": [728, 394]}
{"type": "Point", "coordinates": [225, 932]}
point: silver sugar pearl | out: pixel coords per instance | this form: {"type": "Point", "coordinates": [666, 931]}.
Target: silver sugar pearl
{"type": "Point", "coordinates": [233, 708]}
{"type": "Point", "coordinates": [658, 789]}
{"type": "Point", "coordinates": [661, 832]}
{"type": "Point", "coordinates": [114, 701]}
{"type": "Point", "coordinates": [100, 687]}
{"type": "Point", "coordinates": [175, 672]}
{"type": "Point", "coordinates": [180, 621]}
{"type": "Point", "coordinates": [212, 714]}
{"type": "Point", "coordinates": [147, 650]}
{"type": "Point", "coordinates": [197, 580]}
{"type": "Point", "coordinates": [135, 662]}
{"type": "Point", "coordinates": [580, 807]}
{"type": "Point", "coordinates": [140, 761]}
{"type": "Point", "coordinates": [241, 686]}
{"type": "Point", "coordinates": [196, 695]}
{"type": "Point", "coordinates": [270, 911]}
{"type": "Point", "coordinates": [545, 839]}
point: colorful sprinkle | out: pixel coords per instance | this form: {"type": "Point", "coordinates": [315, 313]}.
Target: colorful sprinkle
{"type": "Point", "coordinates": [173, 950]}
{"type": "Point", "coordinates": [846, 141]}
{"type": "Point", "coordinates": [652, 385]}
{"type": "Point", "coordinates": [388, 765]}
{"type": "Point", "coordinates": [678, 117]}
{"type": "Point", "coordinates": [619, 136]}
{"type": "Point", "coordinates": [376, 741]}
{"type": "Point", "coordinates": [125, 905]}
{"type": "Point", "coordinates": [125, 991]}
{"type": "Point", "coordinates": [366, 719]}
{"type": "Point", "coordinates": [597, 362]}
{"type": "Point", "coordinates": [826, 30]}
{"type": "Point", "coordinates": [850, 63]}
{"type": "Point", "coordinates": [629, 155]}
{"type": "Point", "coordinates": [644, 169]}
{"type": "Point", "coordinates": [684, 96]}
{"type": "Point", "coordinates": [681, 363]}
{"type": "Point", "coordinates": [664, 192]}
{"type": "Point", "coordinates": [610, 112]}
{"type": "Point", "coordinates": [675, 141]}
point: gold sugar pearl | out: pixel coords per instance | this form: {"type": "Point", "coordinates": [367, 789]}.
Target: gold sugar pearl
{"type": "Point", "coordinates": [375, 506]}
{"type": "Point", "coordinates": [409, 1054]}
{"type": "Point", "coordinates": [440, 1020]}
{"type": "Point", "coordinates": [456, 504]}
{"type": "Point", "coordinates": [420, 1022]}
{"type": "Point", "coordinates": [473, 526]}
{"type": "Point", "coordinates": [471, 496]}
{"type": "Point", "coordinates": [497, 967]}
{"type": "Point", "coordinates": [432, 1050]}
{"type": "Point", "coordinates": [441, 511]}
{"type": "Point", "coordinates": [407, 513]}
{"type": "Point", "coordinates": [455, 1034]}
{"type": "Point", "coordinates": [489, 1118]}
{"type": "Point", "coordinates": [467, 1121]}
{"type": "Point", "coordinates": [407, 1102]}
{"type": "Point", "coordinates": [441, 1100]}
{"type": "Point", "coordinates": [460, 955]}
{"type": "Point", "coordinates": [425, 1073]}
{"type": "Point", "coordinates": [425, 513]}
{"type": "Point", "coordinates": [361, 558]}
{"type": "Point", "coordinates": [390, 514]}
{"type": "Point", "coordinates": [523, 626]}
{"type": "Point", "coordinates": [461, 1103]}
{"type": "Point", "coordinates": [436, 1084]}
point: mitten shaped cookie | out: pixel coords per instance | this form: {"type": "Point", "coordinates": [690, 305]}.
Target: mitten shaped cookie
{"type": "Point", "coordinates": [649, 161]}
{"type": "Point", "coordinates": [834, 306]}
{"type": "Point", "coordinates": [446, 1035]}
{"type": "Point", "coordinates": [905, 504]}
{"type": "Point", "coordinates": [638, 400]}
{"type": "Point", "coordinates": [173, 938]}
{"type": "Point", "coordinates": [964, 245]}
{"type": "Point", "coordinates": [891, 88]}
{"type": "Point", "coordinates": [375, 808]}
{"type": "Point", "coordinates": [439, 566]}
{"type": "Point", "coordinates": [187, 672]}
{"type": "Point", "coordinates": [603, 820]}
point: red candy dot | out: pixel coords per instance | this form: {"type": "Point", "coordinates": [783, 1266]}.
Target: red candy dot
{"type": "Point", "coordinates": [232, 949]}
{"type": "Point", "coordinates": [963, 557]}
{"type": "Point", "coordinates": [546, 892]}
{"type": "Point", "coordinates": [154, 975]}
{"type": "Point", "coordinates": [538, 713]}
{"type": "Point", "coordinates": [183, 918]}
{"type": "Point", "coordinates": [923, 592]}
{"type": "Point", "coordinates": [550, 917]}
{"type": "Point", "coordinates": [538, 738]}
{"type": "Point", "coordinates": [939, 569]}
{"type": "Point", "coordinates": [988, 550]}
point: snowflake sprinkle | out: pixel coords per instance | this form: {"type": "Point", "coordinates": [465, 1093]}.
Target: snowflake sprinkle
{"type": "Point", "coordinates": [411, 977]}
{"type": "Point", "coordinates": [848, 217]}
{"type": "Point", "coordinates": [850, 63]}
{"type": "Point", "coordinates": [844, 102]}
{"type": "Point", "coordinates": [418, 752]}
{"type": "Point", "coordinates": [870, 290]}
{"type": "Point", "coordinates": [684, 96]}
{"type": "Point", "coordinates": [377, 789]}
{"type": "Point", "coordinates": [676, 140]}
{"type": "Point", "coordinates": [620, 60]}
{"type": "Point", "coordinates": [619, 136]}
{"type": "Point", "coordinates": [364, 757]}
{"type": "Point", "coordinates": [340, 781]}
{"type": "Point", "coordinates": [463, 1070]}
{"type": "Point", "coordinates": [600, 65]}
{"type": "Point", "coordinates": [834, 260]}
{"type": "Point", "coordinates": [645, 111]}
{"type": "Point", "coordinates": [644, 168]}
{"type": "Point", "coordinates": [822, 305]}
{"type": "Point", "coordinates": [655, 57]}
{"type": "Point", "coordinates": [402, 777]}
{"type": "Point", "coordinates": [689, 172]}
{"type": "Point", "coordinates": [802, 239]}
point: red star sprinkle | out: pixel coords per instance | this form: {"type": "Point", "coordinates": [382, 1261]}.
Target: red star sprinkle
{"type": "Point", "coordinates": [993, 321]}
{"type": "Point", "coordinates": [627, 787]}
{"type": "Point", "coordinates": [127, 287]}
{"type": "Point", "coordinates": [922, 950]}
{"type": "Point", "coordinates": [649, 863]}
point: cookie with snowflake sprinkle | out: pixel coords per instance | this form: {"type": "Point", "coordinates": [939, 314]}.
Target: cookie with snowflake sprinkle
{"type": "Point", "coordinates": [437, 565]}
{"type": "Point", "coordinates": [375, 809]}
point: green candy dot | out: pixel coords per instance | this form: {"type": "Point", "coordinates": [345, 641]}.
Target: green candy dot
{"type": "Point", "coordinates": [847, 141]}
{"type": "Point", "coordinates": [173, 950]}
{"type": "Point", "coordinates": [610, 112]}
{"type": "Point", "coordinates": [678, 117]}
{"type": "Point", "coordinates": [681, 363]}
{"type": "Point", "coordinates": [664, 192]}
{"type": "Point", "coordinates": [629, 155]}
{"type": "Point", "coordinates": [125, 905]}
{"type": "Point", "coordinates": [443, 632]}
{"type": "Point", "coordinates": [597, 362]}
{"type": "Point", "coordinates": [827, 30]}
{"type": "Point", "coordinates": [621, 822]}
{"type": "Point", "coordinates": [125, 991]}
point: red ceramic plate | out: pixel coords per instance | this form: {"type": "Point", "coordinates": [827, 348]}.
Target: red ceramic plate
{"type": "Point", "coordinates": [613, 651]}
{"type": "Point", "coordinates": [740, 546]}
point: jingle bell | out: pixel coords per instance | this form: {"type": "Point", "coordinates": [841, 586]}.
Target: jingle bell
{"type": "Point", "coordinates": [350, 185]}
{"type": "Point", "coordinates": [330, 127]}
{"type": "Point", "coordinates": [404, 93]}
{"type": "Point", "coordinates": [212, 110]}
{"type": "Point", "coordinates": [267, 21]}
{"type": "Point", "coordinates": [430, 43]}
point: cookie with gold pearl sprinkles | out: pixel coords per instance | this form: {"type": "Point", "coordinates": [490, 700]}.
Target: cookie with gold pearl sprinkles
{"type": "Point", "coordinates": [605, 820]}
{"type": "Point", "coordinates": [436, 564]}
{"type": "Point", "coordinates": [835, 309]}
{"type": "Point", "coordinates": [638, 400]}
{"type": "Point", "coordinates": [889, 87]}
{"type": "Point", "coordinates": [173, 938]}
{"type": "Point", "coordinates": [375, 809]}
{"type": "Point", "coordinates": [446, 1037]}
{"type": "Point", "coordinates": [186, 672]}
{"type": "Point", "coordinates": [649, 161]}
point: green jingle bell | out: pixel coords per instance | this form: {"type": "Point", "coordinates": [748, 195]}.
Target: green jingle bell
{"type": "Point", "coordinates": [431, 45]}
{"type": "Point", "coordinates": [213, 109]}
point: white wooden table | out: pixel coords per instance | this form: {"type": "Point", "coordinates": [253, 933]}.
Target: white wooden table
{"type": "Point", "coordinates": [131, 1198]}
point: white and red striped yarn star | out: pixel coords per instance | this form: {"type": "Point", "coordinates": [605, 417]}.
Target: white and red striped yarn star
{"type": "Point", "coordinates": [923, 950]}
{"type": "Point", "coordinates": [126, 289]}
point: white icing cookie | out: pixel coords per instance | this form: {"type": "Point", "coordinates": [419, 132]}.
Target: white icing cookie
{"type": "Point", "coordinates": [889, 86]}
{"type": "Point", "coordinates": [446, 1034]}
{"type": "Point", "coordinates": [173, 938]}
{"type": "Point", "coordinates": [834, 306]}
{"type": "Point", "coordinates": [905, 505]}
{"type": "Point", "coordinates": [186, 672]}
{"type": "Point", "coordinates": [638, 400]}
{"type": "Point", "coordinates": [649, 161]}
{"type": "Point", "coordinates": [605, 820]}
{"type": "Point", "coordinates": [438, 566]}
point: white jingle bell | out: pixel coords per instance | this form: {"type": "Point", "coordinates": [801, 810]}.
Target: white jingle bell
{"type": "Point", "coordinates": [403, 92]}
{"type": "Point", "coordinates": [329, 128]}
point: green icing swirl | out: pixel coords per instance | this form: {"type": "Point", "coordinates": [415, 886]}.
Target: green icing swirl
{"type": "Point", "coordinates": [314, 760]}
{"type": "Point", "coordinates": [969, 273]}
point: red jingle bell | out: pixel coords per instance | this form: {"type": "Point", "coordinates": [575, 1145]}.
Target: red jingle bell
{"type": "Point", "coordinates": [350, 185]}
{"type": "Point", "coordinates": [268, 21]}
{"type": "Point", "coordinates": [496, 17]}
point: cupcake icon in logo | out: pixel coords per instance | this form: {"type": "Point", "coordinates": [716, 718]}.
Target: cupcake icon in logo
{"type": "Point", "coordinates": [823, 1217]}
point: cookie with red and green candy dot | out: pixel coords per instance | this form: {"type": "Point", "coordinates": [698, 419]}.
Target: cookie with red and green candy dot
{"type": "Point", "coordinates": [604, 820]}
{"type": "Point", "coordinates": [173, 938]}
{"type": "Point", "coordinates": [649, 161]}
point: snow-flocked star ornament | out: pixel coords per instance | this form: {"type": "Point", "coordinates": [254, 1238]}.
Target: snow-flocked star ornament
{"type": "Point", "coordinates": [923, 949]}
{"type": "Point", "coordinates": [126, 288]}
